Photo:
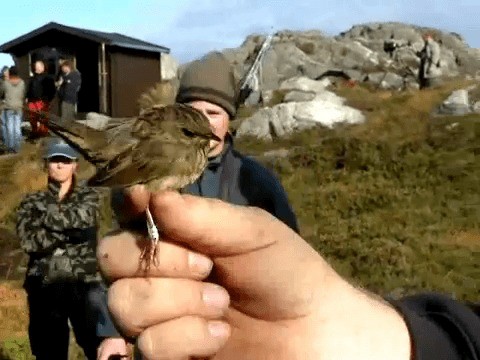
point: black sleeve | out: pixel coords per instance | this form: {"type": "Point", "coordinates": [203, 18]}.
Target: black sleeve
{"type": "Point", "coordinates": [280, 206]}
{"type": "Point", "coordinates": [76, 80]}
{"type": "Point", "coordinates": [77, 236]}
{"type": "Point", "coordinates": [49, 89]}
{"type": "Point", "coordinates": [61, 91]}
{"type": "Point", "coordinates": [267, 192]}
{"type": "Point", "coordinates": [440, 327]}
{"type": "Point", "coordinates": [28, 94]}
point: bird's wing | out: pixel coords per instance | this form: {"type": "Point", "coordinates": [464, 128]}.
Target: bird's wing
{"type": "Point", "coordinates": [137, 165]}
{"type": "Point", "coordinates": [119, 128]}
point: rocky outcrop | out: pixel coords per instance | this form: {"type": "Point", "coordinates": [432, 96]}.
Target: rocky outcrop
{"type": "Point", "coordinates": [461, 102]}
{"type": "Point", "coordinates": [306, 104]}
{"type": "Point", "coordinates": [359, 52]}
{"type": "Point", "coordinates": [96, 120]}
{"type": "Point", "coordinates": [300, 65]}
{"type": "Point", "coordinates": [456, 104]}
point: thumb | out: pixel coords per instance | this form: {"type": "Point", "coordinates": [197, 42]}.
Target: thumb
{"type": "Point", "coordinates": [213, 227]}
{"type": "Point", "coordinates": [255, 255]}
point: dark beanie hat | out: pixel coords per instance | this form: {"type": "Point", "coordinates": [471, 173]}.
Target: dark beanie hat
{"type": "Point", "coordinates": [209, 79]}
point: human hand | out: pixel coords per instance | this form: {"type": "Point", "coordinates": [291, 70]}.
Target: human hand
{"type": "Point", "coordinates": [286, 302]}
{"type": "Point", "coordinates": [110, 347]}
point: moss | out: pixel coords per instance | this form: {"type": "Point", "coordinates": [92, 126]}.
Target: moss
{"type": "Point", "coordinates": [16, 349]}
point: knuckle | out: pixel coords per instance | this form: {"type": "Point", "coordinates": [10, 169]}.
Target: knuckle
{"type": "Point", "coordinates": [117, 303]}
{"type": "Point", "coordinates": [147, 345]}
{"type": "Point", "coordinates": [124, 306]}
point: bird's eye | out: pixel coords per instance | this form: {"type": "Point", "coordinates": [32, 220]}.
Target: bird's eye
{"type": "Point", "coordinates": [187, 132]}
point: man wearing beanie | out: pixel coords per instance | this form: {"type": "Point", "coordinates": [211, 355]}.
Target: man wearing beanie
{"type": "Point", "coordinates": [208, 84]}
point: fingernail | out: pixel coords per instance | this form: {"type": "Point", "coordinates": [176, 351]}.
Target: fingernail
{"type": "Point", "coordinates": [215, 296]}
{"type": "Point", "coordinates": [218, 328]}
{"type": "Point", "coordinates": [199, 264]}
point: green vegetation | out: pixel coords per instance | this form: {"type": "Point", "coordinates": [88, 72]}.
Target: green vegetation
{"type": "Point", "coordinates": [16, 348]}
{"type": "Point", "coordinates": [19, 349]}
{"type": "Point", "coordinates": [393, 204]}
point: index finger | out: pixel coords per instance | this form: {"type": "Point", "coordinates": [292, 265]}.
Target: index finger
{"type": "Point", "coordinates": [119, 256]}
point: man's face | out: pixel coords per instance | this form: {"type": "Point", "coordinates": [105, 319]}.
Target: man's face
{"type": "Point", "coordinates": [65, 69]}
{"type": "Point", "coordinates": [61, 168]}
{"type": "Point", "coordinates": [39, 67]}
{"type": "Point", "coordinates": [219, 122]}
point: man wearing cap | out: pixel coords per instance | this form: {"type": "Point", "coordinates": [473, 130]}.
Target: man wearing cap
{"type": "Point", "coordinates": [208, 84]}
{"type": "Point", "coordinates": [58, 230]}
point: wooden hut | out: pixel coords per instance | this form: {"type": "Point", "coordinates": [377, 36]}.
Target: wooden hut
{"type": "Point", "coordinates": [115, 68]}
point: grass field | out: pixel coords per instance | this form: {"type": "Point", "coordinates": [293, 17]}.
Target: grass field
{"type": "Point", "coordinates": [393, 204]}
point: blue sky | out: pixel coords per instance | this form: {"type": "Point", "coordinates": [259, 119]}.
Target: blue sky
{"type": "Point", "coordinates": [192, 27]}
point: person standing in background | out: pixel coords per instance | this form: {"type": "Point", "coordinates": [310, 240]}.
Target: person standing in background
{"type": "Point", "coordinates": [14, 91]}
{"type": "Point", "coordinates": [68, 87]}
{"type": "Point", "coordinates": [3, 78]}
{"type": "Point", "coordinates": [40, 93]}
{"type": "Point", "coordinates": [429, 62]}
{"type": "Point", "coordinates": [58, 230]}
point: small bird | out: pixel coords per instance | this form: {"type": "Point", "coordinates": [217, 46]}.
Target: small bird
{"type": "Point", "coordinates": [164, 148]}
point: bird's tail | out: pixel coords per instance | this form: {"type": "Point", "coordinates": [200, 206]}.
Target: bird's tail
{"type": "Point", "coordinates": [86, 140]}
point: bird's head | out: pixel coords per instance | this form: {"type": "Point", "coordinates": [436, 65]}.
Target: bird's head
{"type": "Point", "coordinates": [182, 123]}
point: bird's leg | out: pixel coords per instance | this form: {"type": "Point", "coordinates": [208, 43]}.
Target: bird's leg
{"type": "Point", "coordinates": [149, 253]}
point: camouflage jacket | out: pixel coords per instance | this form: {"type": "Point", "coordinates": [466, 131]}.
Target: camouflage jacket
{"type": "Point", "coordinates": [48, 227]}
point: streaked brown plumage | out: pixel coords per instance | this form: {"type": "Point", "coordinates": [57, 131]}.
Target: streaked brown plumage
{"type": "Point", "coordinates": [163, 148]}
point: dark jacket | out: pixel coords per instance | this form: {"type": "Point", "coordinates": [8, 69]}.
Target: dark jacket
{"type": "Point", "coordinates": [41, 87]}
{"type": "Point", "coordinates": [241, 180]}
{"type": "Point", "coordinates": [68, 91]}
{"type": "Point", "coordinates": [440, 327]}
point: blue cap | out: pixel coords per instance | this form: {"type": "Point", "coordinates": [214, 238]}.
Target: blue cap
{"type": "Point", "coordinates": [61, 148]}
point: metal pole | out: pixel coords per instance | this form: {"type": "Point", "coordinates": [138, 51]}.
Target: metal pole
{"type": "Point", "coordinates": [104, 81]}
{"type": "Point", "coordinates": [161, 67]}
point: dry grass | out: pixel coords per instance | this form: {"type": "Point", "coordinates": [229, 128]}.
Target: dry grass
{"type": "Point", "coordinates": [17, 182]}
{"type": "Point", "coordinates": [13, 311]}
